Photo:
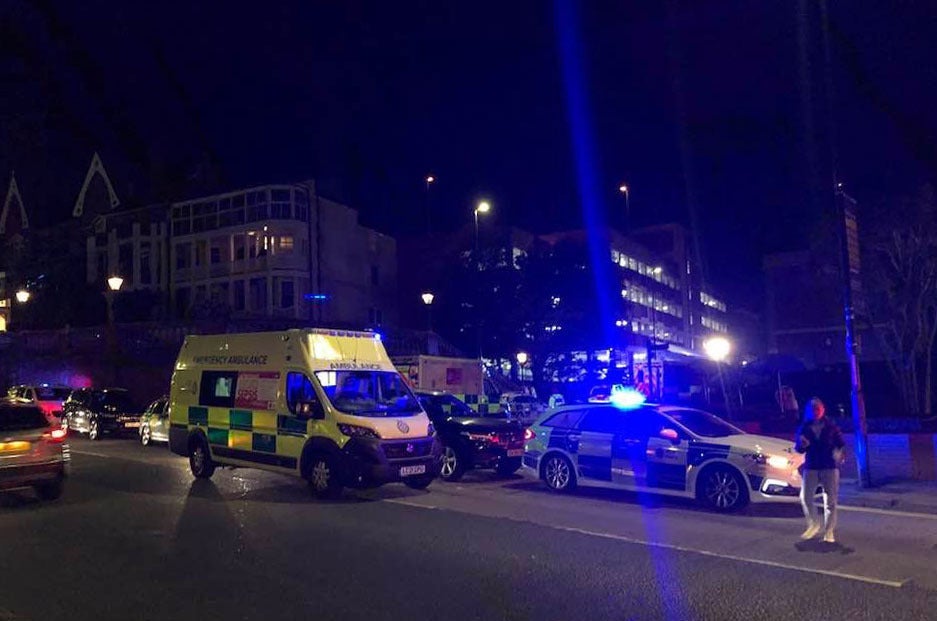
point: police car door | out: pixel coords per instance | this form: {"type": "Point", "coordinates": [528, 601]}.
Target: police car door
{"type": "Point", "coordinates": [667, 447]}
{"type": "Point", "coordinates": [596, 437]}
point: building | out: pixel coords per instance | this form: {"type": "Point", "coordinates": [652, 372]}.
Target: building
{"type": "Point", "coordinates": [269, 251]}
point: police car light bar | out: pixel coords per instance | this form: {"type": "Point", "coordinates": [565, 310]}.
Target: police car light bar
{"type": "Point", "coordinates": [627, 398]}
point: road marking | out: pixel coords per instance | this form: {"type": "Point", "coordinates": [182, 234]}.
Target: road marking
{"type": "Point", "coordinates": [92, 453]}
{"type": "Point", "coordinates": [895, 584]}
{"type": "Point", "coordinates": [892, 512]}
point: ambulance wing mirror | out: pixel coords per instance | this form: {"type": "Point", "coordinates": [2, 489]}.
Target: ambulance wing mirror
{"type": "Point", "coordinates": [671, 435]}
{"type": "Point", "coordinates": [310, 409]}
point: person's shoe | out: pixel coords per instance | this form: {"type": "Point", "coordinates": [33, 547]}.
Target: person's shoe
{"type": "Point", "coordinates": [812, 531]}
{"type": "Point", "coordinates": [828, 537]}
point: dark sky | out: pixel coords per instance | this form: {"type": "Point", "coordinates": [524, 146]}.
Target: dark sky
{"type": "Point", "coordinates": [711, 107]}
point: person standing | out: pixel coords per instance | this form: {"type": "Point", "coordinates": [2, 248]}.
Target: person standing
{"type": "Point", "coordinates": [821, 442]}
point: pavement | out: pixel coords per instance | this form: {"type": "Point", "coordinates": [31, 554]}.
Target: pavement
{"type": "Point", "coordinates": [907, 496]}
{"type": "Point", "coordinates": [135, 537]}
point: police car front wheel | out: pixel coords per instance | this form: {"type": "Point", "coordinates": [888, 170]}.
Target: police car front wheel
{"type": "Point", "coordinates": [558, 474]}
{"type": "Point", "coordinates": [722, 488]}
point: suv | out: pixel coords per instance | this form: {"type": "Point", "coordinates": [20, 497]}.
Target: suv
{"type": "Point", "coordinates": [470, 441]}
{"type": "Point", "coordinates": [33, 453]}
{"type": "Point", "coordinates": [154, 424]}
{"type": "Point", "coordinates": [99, 411]}
{"type": "Point", "coordinates": [47, 398]}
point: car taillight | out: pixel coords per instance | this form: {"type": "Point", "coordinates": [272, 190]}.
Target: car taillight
{"type": "Point", "coordinates": [529, 434]}
{"type": "Point", "coordinates": [56, 435]}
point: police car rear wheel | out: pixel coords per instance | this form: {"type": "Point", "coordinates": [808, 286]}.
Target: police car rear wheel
{"type": "Point", "coordinates": [323, 477]}
{"type": "Point", "coordinates": [722, 489]}
{"type": "Point", "coordinates": [452, 467]}
{"type": "Point", "coordinates": [200, 460]}
{"type": "Point", "coordinates": [558, 474]}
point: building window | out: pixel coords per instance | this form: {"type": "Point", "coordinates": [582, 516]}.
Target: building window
{"type": "Point", "coordinates": [146, 274]}
{"type": "Point", "coordinates": [258, 295]}
{"type": "Point", "coordinates": [240, 248]}
{"type": "Point", "coordinates": [215, 253]}
{"type": "Point", "coordinates": [285, 244]}
{"type": "Point", "coordinates": [201, 249]}
{"type": "Point", "coordinates": [183, 301]}
{"type": "Point", "coordinates": [239, 295]}
{"type": "Point", "coordinates": [286, 294]}
{"type": "Point", "coordinates": [183, 256]}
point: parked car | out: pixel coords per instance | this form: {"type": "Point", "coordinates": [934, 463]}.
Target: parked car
{"type": "Point", "coordinates": [33, 452]}
{"type": "Point", "coordinates": [523, 408]}
{"type": "Point", "coordinates": [99, 411]}
{"type": "Point", "coordinates": [154, 424]}
{"type": "Point", "coordinates": [670, 450]}
{"type": "Point", "coordinates": [472, 441]}
{"type": "Point", "coordinates": [46, 397]}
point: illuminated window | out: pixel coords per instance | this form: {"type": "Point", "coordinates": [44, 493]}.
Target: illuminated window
{"type": "Point", "coordinates": [285, 243]}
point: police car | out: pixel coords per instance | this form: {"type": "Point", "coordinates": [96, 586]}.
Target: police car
{"type": "Point", "coordinates": [671, 450]}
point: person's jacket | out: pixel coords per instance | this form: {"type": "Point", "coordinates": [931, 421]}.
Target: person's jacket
{"type": "Point", "coordinates": [819, 451]}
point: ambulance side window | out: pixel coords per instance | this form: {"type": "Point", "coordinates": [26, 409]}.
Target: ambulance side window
{"type": "Point", "coordinates": [298, 388]}
{"type": "Point", "coordinates": [217, 389]}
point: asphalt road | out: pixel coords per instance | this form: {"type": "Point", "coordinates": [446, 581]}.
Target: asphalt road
{"type": "Point", "coordinates": [135, 537]}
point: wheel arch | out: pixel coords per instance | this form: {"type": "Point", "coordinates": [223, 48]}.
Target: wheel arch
{"type": "Point", "coordinates": [554, 451]}
{"type": "Point", "coordinates": [313, 446]}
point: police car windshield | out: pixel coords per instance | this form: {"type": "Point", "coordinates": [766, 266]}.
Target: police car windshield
{"type": "Point", "coordinates": [704, 424]}
{"type": "Point", "coordinates": [368, 393]}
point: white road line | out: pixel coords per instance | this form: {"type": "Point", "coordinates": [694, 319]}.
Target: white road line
{"type": "Point", "coordinates": [895, 584]}
{"type": "Point", "coordinates": [892, 512]}
{"type": "Point", "coordinates": [92, 453]}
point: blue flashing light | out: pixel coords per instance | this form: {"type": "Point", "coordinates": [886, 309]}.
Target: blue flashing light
{"type": "Point", "coordinates": [627, 398]}
{"type": "Point", "coordinates": [316, 297]}
{"type": "Point", "coordinates": [377, 336]}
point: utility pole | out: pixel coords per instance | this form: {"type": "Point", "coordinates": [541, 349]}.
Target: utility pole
{"type": "Point", "coordinates": [851, 292]}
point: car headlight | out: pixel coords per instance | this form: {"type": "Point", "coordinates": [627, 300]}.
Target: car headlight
{"type": "Point", "coordinates": [354, 431]}
{"type": "Point", "coordinates": [776, 461]}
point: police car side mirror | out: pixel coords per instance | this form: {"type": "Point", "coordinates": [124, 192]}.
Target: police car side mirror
{"type": "Point", "coordinates": [310, 409]}
{"type": "Point", "coordinates": [671, 435]}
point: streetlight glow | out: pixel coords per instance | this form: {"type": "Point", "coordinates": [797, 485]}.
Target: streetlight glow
{"type": "Point", "coordinates": [483, 207]}
{"type": "Point", "coordinates": [114, 283]}
{"type": "Point", "coordinates": [427, 298]}
{"type": "Point", "coordinates": [430, 179]}
{"type": "Point", "coordinates": [22, 296]}
{"type": "Point", "coordinates": [522, 358]}
{"type": "Point", "coordinates": [717, 348]}
{"type": "Point", "coordinates": [623, 189]}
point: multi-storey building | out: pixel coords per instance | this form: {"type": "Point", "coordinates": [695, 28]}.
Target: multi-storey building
{"type": "Point", "coordinates": [268, 251]}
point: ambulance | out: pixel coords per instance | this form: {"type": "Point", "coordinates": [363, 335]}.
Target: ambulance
{"type": "Point", "coordinates": [325, 405]}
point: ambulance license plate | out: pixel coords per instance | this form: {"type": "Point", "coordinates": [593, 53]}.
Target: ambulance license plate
{"type": "Point", "coordinates": [409, 471]}
{"type": "Point", "coordinates": [515, 452]}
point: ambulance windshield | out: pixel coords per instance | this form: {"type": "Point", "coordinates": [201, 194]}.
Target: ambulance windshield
{"type": "Point", "coordinates": [368, 393]}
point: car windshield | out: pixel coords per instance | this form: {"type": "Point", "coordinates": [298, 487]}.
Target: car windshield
{"type": "Point", "coordinates": [368, 393]}
{"type": "Point", "coordinates": [49, 393]}
{"type": "Point", "coordinates": [116, 401]}
{"type": "Point", "coordinates": [704, 424]}
{"type": "Point", "coordinates": [21, 418]}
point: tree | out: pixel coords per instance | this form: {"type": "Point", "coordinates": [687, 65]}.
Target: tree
{"type": "Point", "coordinates": [901, 277]}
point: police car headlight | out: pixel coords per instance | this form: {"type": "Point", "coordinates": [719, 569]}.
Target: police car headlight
{"type": "Point", "coordinates": [354, 431]}
{"type": "Point", "coordinates": [776, 461]}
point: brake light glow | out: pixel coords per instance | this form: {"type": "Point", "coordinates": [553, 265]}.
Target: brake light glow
{"type": "Point", "coordinates": [529, 434]}
{"type": "Point", "coordinates": [56, 435]}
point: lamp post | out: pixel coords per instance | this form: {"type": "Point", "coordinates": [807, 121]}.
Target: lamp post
{"type": "Point", "coordinates": [624, 190]}
{"type": "Point", "coordinates": [482, 207]}
{"type": "Point", "coordinates": [522, 359]}
{"type": "Point", "coordinates": [113, 286]}
{"type": "Point", "coordinates": [430, 180]}
{"type": "Point", "coordinates": [718, 348]}
{"type": "Point", "coordinates": [428, 298]}
{"type": "Point", "coordinates": [22, 296]}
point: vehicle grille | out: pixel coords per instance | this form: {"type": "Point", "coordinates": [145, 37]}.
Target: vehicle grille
{"type": "Point", "coordinates": [406, 450]}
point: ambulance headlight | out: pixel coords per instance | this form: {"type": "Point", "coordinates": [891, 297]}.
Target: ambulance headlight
{"type": "Point", "coordinates": [354, 431]}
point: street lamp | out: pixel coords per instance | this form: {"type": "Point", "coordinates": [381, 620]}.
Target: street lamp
{"type": "Point", "coordinates": [22, 296]}
{"type": "Point", "coordinates": [114, 283]}
{"type": "Point", "coordinates": [522, 358]}
{"type": "Point", "coordinates": [113, 286]}
{"type": "Point", "coordinates": [718, 348]}
{"type": "Point", "coordinates": [483, 207]}
{"type": "Point", "coordinates": [624, 190]}
{"type": "Point", "coordinates": [428, 298]}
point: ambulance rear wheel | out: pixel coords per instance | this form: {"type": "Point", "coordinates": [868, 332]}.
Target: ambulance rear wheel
{"type": "Point", "coordinates": [200, 459]}
{"type": "Point", "coordinates": [323, 475]}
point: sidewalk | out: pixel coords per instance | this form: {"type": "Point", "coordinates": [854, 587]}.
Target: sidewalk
{"type": "Point", "coordinates": [911, 496]}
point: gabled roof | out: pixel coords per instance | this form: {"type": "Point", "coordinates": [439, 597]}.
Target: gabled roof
{"type": "Point", "coordinates": [13, 193]}
{"type": "Point", "coordinates": [96, 168]}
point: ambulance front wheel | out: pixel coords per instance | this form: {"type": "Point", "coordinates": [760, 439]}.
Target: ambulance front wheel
{"type": "Point", "coordinates": [323, 476]}
{"type": "Point", "coordinates": [200, 459]}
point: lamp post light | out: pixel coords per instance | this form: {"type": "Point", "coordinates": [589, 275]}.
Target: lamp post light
{"type": "Point", "coordinates": [718, 348]}
{"type": "Point", "coordinates": [428, 298]}
{"type": "Point", "coordinates": [522, 359]}
{"type": "Point", "coordinates": [624, 190]}
{"type": "Point", "coordinates": [22, 296]}
{"type": "Point", "coordinates": [482, 207]}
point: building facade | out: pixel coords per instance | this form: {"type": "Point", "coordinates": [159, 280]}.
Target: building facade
{"type": "Point", "coordinates": [269, 251]}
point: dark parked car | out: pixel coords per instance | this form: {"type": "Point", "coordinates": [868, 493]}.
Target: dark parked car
{"type": "Point", "coordinates": [33, 452]}
{"type": "Point", "coordinates": [472, 441]}
{"type": "Point", "coordinates": [97, 411]}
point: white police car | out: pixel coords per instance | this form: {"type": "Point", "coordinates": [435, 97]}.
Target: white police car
{"type": "Point", "coordinates": [663, 449]}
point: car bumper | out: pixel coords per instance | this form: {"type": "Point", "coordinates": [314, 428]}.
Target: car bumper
{"type": "Point", "coordinates": [117, 427]}
{"type": "Point", "coordinates": [25, 475]}
{"type": "Point", "coordinates": [783, 487]}
{"type": "Point", "coordinates": [366, 463]}
{"type": "Point", "coordinates": [492, 457]}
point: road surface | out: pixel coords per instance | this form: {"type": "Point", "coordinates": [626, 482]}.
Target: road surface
{"type": "Point", "coordinates": [135, 537]}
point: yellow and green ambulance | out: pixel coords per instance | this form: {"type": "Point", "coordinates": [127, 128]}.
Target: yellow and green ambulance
{"type": "Point", "coordinates": [325, 405]}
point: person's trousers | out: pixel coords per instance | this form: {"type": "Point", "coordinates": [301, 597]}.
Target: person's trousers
{"type": "Point", "coordinates": [829, 481]}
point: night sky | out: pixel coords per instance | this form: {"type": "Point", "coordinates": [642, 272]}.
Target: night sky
{"type": "Point", "coordinates": [711, 108]}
